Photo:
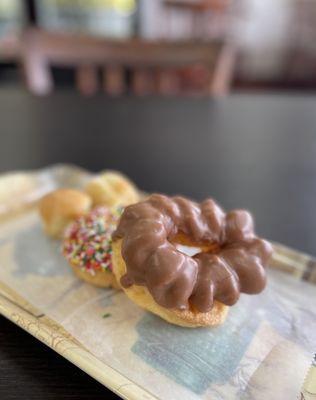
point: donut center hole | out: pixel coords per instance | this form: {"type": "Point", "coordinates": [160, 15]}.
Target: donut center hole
{"type": "Point", "coordinates": [186, 246]}
{"type": "Point", "coordinates": [188, 250]}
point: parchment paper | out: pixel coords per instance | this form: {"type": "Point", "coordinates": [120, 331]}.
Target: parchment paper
{"type": "Point", "coordinates": [262, 351]}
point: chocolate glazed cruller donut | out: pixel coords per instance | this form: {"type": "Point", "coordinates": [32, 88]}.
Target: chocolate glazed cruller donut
{"type": "Point", "coordinates": [233, 259]}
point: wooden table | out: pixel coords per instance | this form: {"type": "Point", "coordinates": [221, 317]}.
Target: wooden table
{"type": "Point", "coordinates": [246, 151]}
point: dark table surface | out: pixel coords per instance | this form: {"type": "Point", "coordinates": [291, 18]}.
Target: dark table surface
{"type": "Point", "coordinates": [255, 152]}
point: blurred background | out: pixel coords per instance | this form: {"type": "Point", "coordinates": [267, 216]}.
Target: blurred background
{"type": "Point", "coordinates": [170, 47]}
{"type": "Point", "coordinates": [180, 95]}
{"type": "Point", "coordinates": [194, 97]}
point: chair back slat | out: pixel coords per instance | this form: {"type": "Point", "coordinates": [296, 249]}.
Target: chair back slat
{"type": "Point", "coordinates": [152, 64]}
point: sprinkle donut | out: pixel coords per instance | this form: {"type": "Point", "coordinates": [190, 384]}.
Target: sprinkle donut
{"type": "Point", "coordinates": [87, 246]}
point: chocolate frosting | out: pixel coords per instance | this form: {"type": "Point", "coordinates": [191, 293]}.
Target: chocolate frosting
{"type": "Point", "coordinates": [235, 262]}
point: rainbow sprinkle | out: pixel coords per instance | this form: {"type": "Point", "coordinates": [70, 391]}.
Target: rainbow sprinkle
{"type": "Point", "coordinates": [88, 240]}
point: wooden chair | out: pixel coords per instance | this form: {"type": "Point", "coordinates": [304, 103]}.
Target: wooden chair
{"type": "Point", "coordinates": [153, 65]}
